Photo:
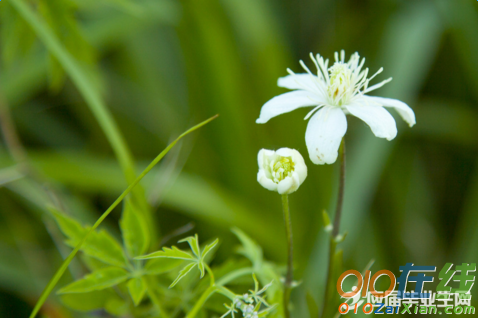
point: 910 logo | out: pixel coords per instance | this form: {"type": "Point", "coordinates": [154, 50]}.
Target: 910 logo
{"type": "Point", "coordinates": [452, 295]}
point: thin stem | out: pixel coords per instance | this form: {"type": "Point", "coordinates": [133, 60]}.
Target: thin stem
{"type": "Point", "coordinates": [335, 230]}
{"type": "Point", "coordinates": [66, 262]}
{"type": "Point", "coordinates": [340, 196]}
{"type": "Point", "coordinates": [290, 250]}
{"type": "Point", "coordinates": [200, 303]}
{"type": "Point", "coordinates": [233, 275]}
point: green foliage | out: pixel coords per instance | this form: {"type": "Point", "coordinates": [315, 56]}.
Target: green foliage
{"type": "Point", "coordinates": [197, 259]}
{"type": "Point", "coordinates": [155, 66]}
{"type": "Point", "coordinates": [99, 245]}
{"type": "Point", "coordinates": [136, 237]}
{"type": "Point", "coordinates": [98, 280]}
{"type": "Point", "coordinates": [137, 289]}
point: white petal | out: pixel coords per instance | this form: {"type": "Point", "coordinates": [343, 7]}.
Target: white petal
{"type": "Point", "coordinates": [297, 81]}
{"type": "Point", "coordinates": [378, 118]}
{"type": "Point", "coordinates": [324, 133]}
{"type": "Point", "coordinates": [286, 103]}
{"type": "Point", "coordinates": [262, 155]}
{"type": "Point", "coordinates": [265, 181]}
{"type": "Point", "coordinates": [403, 109]}
{"type": "Point", "coordinates": [287, 152]}
{"type": "Point", "coordinates": [286, 186]}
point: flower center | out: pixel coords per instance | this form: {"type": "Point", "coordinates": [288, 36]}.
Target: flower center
{"type": "Point", "coordinates": [281, 169]}
{"type": "Point", "coordinates": [340, 83]}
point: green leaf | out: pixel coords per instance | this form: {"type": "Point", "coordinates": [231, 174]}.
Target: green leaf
{"type": "Point", "coordinates": [69, 226]}
{"type": "Point", "coordinates": [158, 266]}
{"type": "Point", "coordinates": [183, 273]}
{"type": "Point", "coordinates": [208, 248]}
{"type": "Point", "coordinates": [193, 243]}
{"type": "Point", "coordinates": [135, 230]}
{"type": "Point", "coordinates": [117, 306]}
{"type": "Point", "coordinates": [312, 305]}
{"type": "Point", "coordinates": [167, 252]}
{"type": "Point", "coordinates": [137, 289]}
{"type": "Point", "coordinates": [250, 248]}
{"type": "Point", "coordinates": [87, 301]}
{"type": "Point", "coordinates": [201, 268]}
{"type": "Point", "coordinates": [101, 279]}
{"type": "Point", "coordinates": [99, 245]}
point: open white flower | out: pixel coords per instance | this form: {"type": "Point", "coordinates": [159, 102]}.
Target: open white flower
{"type": "Point", "coordinates": [283, 170]}
{"type": "Point", "coordinates": [335, 92]}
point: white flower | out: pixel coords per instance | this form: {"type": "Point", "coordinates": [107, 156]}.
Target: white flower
{"type": "Point", "coordinates": [336, 92]}
{"type": "Point", "coordinates": [283, 170]}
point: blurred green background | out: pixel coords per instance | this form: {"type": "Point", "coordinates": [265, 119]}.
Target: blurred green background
{"type": "Point", "coordinates": [160, 66]}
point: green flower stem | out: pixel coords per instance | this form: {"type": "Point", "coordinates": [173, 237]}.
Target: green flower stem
{"type": "Point", "coordinates": [66, 262]}
{"type": "Point", "coordinates": [154, 298]}
{"type": "Point", "coordinates": [335, 230]}
{"type": "Point", "coordinates": [290, 250]}
{"type": "Point", "coordinates": [200, 303]}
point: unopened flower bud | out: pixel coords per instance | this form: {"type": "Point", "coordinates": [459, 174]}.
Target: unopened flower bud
{"type": "Point", "coordinates": [283, 170]}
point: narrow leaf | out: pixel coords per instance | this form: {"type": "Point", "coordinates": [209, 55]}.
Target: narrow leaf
{"type": "Point", "coordinates": [193, 243]}
{"type": "Point", "coordinates": [98, 280]}
{"type": "Point", "coordinates": [250, 248]}
{"type": "Point", "coordinates": [312, 305]}
{"type": "Point", "coordinates": [167, 252]}
{"type": "Point", "coordinates": [183, 273]}
{"type": "Point", "coordinates": [201, 268]}
{"type": "Point", "coordinates": [208, 248]}
{"type": "Point", "coordinates": [137, 289]}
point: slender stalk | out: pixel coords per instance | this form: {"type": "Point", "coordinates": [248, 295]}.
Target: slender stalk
{"type": "Point", "coordinates": [233, 275]}
{"type": "Point", "coordinates": [66, 262]}
{"type": "Point", "coordinates": [290, 250]}
{"type": "Point", "coordinates": [335, 230]}
{"type": "Point", "coordinates": [340, 196]}
{"type": "Point", "coordinates": [200, 303]}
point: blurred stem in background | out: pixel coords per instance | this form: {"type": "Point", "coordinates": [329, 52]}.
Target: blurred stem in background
{"type": "Point", "coordinates": [329, 287]}
{"type": "Point", "coordinates": [290, 250]}
{"type": "Point", "coordinates": [84, 84]}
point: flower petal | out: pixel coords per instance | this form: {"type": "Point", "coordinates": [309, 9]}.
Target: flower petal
{"type": "Point", "coordinates": [296, 81]}
{"type": "Point", "coordinates": [403, 109]}
{"type": "Point", "coordinates": [287, 186]}
{"type": "Point", "coordinates": [265, 181]}
{"type": "Point", "coordinates": [324, 133]}
{"type": "Point", "coordinates": [378, 118]}
{"type": "Point", "coordinates": [286, 103]}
